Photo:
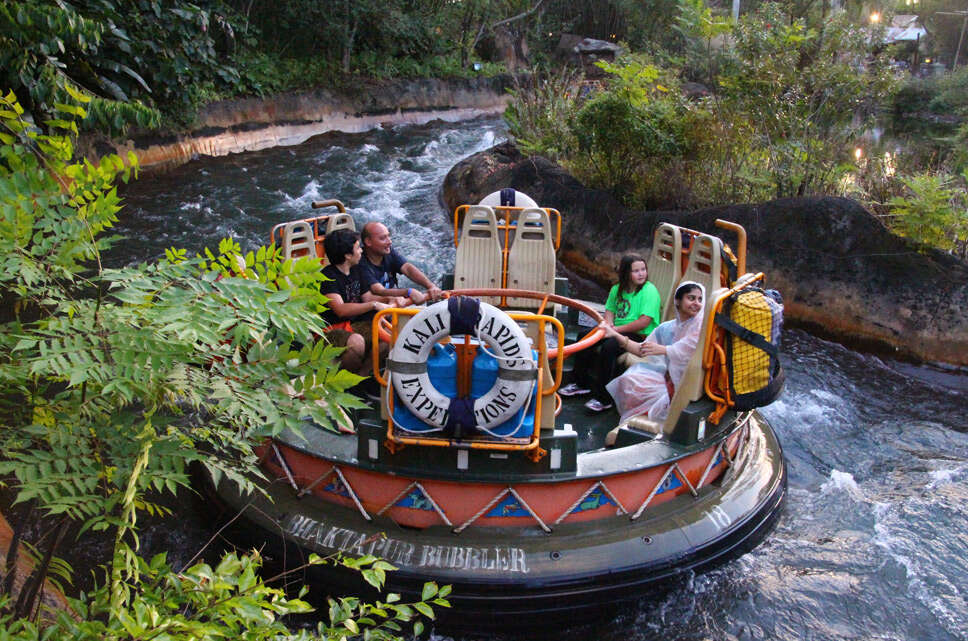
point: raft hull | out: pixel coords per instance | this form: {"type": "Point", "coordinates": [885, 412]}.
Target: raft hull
{"type": "Point", "coordinates": [513, 578]}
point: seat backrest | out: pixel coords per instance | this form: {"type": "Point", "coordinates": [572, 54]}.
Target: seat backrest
{"type": "Point", "coordinates": [665, 268]}
{"type": "Point", "coordinates": [340, 221]}
{"type": "Point", "coordinates": [298, 240]}
{"type": "Point", "coordinates": [479, 258]}
{"type": "Point", "coordinates": [531, 259]}
{"type": "Point", "coordinates": [705, 261]}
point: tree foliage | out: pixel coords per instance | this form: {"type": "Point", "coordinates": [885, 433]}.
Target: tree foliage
{"type": "Point", "coordinates": [807, 93]}
{"type": "Point", "coordinates": [783, 109]}
{"type": "Point", "coordinates": [541, 111]}
{"type": "Point", "coordinates": [132, 59]}
{"type": "Point", "coordinates": [113, 382]}
{"type": "Point", "coordinates": [631, 124]}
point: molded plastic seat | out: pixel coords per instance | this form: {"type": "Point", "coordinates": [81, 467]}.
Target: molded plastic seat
{"type": "Point", "coordinates": [531, 259]}
{"type": "Point", "coordinates": [340, 221]}
{"type": "Point", "coordinates": [479, 256]}
{"type": "Point", "coordinates": [705, 261]}
{"type": "Point", "coordinates": [298, 240]}
{"type": "Point", "coordinates": [665, 268]}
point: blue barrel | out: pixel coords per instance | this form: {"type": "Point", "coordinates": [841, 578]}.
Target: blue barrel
{"type": "Point", "coordinates": [442, 369]}
{"type": "Point", "coordinates": [483, 374]}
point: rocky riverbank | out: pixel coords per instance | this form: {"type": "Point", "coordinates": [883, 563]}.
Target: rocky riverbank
{"type": "Point", "coordinates": [842, 273]}
{"type": "Point", "coordinates": [250, 124]}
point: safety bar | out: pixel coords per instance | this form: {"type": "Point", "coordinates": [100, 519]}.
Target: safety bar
{"type": "Point", "coordinates": [740, 243]}
{"type": "Point", "coordinates": [332, 202]}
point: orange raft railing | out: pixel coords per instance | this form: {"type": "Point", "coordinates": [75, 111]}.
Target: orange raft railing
{"type": "Point", "coordinates": [586, 341]}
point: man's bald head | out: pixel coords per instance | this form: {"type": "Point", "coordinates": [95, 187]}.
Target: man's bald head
{"type": "Point", "coordinates": [376, 239]}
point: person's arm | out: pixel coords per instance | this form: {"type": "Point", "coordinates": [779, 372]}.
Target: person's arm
{"type": "Point", "coordinates": [373, 286]}
{"type": "Point", "coordinates": [392, 301]}
{"type": "Point", "coordinates": [626, 343]}
{"type": "Point", "coordinates": [609, 320]}
{"type": "Point", "coordinates": [639, 323]}
{"type": "Point", "coordinates": [380, 292]}
{"type": "Point", "coordinates": [413, 272]}
{"type": "Point", "coordinates": [351, 310]}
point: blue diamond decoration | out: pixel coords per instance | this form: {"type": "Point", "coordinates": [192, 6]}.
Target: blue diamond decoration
{"type": "Point", "coordinates": [672, 482]}
{"type": "Point", "coordinates": [336, 487]}
{"type": "Point", "coordinates": [593, 501]}
{"type": "Point", "coordinates": [415, 500]}
{"type": "Point", "coordinates": [509, 506]}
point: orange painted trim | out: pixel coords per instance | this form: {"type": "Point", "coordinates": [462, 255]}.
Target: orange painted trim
{"type": "Point", "coordinates": [462, 501]}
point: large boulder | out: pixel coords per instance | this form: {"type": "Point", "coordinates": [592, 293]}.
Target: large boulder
{"type": "Point", "coordinates": [842, 273]}
{"type": "Point", "coordinates": [584, 52]}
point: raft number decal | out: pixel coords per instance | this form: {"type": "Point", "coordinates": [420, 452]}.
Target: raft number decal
{"type": "Point", "coordinates": [449, 557]}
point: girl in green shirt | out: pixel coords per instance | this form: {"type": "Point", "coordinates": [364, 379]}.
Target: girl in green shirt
{"type": "Point", "coordinates": [632, 310]}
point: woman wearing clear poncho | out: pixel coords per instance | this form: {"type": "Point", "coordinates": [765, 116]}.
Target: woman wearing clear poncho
{"type": "Point", "coordinates": [647, 387]}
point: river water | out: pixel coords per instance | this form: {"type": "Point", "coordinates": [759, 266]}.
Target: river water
{"type": "Point", "coordinates": [874, 539]}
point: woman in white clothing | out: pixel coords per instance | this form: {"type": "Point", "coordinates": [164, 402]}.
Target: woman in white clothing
{"type": "Point", "coordinates": [647, 387]}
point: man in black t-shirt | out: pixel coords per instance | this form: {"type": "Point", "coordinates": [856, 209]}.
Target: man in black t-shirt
{"type": "Point", "coordinates": [351, 306]}
{"type": "Point", "coordinates": [381, 265]}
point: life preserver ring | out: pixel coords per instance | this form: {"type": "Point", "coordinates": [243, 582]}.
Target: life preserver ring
{"type": "Point", "coordinates": [502, 336]}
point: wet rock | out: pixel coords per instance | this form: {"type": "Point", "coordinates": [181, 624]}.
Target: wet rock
{"type": "Point", "coordinates": [842, 273]}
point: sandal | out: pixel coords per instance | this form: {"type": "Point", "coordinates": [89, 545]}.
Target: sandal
{"type": "Point", "coordinates": [573, 389]}
{"type": "Point", "coordinates": [597, 406]}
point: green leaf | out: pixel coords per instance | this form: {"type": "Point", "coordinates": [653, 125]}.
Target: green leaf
{"type": "Point", "coordinates": [424, 609]}
{"type": "Point", "coordinates": [429, 590]}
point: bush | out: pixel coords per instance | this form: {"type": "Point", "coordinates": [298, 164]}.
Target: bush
{"type": "Point", "coordinates": [934, 211]}
{"type": "Point", "coordinates": [541, 111]}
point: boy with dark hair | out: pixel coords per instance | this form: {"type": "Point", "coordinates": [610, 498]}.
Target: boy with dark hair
{"type": "Point", "coordinates": [351, 306]}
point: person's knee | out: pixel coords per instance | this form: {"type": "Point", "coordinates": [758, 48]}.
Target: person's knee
{"type": "Point", "coordinates": [356, 344]}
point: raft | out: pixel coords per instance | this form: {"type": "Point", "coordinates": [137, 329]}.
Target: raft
{"type": "Point", "coordinates": [471, 470]}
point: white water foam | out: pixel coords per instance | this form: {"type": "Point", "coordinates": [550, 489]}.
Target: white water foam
{"type": "Point", "coordinates": [303, 202]}
{"type": "Point", "coordinates": [803, 412]}
{"type": "Point", "coordinates": [946, 476]}
{"type": "Point", "coordinates": [843, 482]}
